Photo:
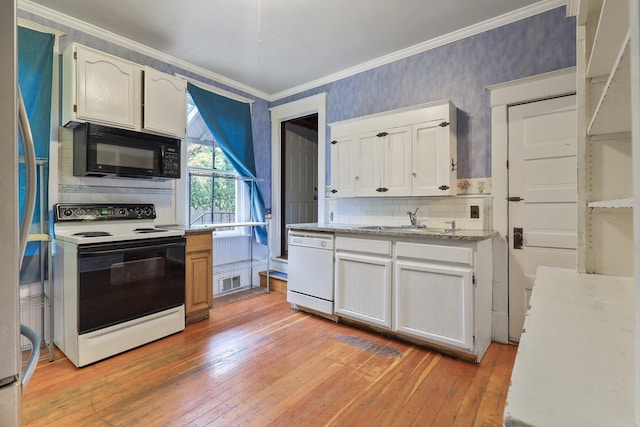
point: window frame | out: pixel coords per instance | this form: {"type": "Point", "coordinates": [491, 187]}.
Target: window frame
{"type": "Point", "coordinates": [242, 196]}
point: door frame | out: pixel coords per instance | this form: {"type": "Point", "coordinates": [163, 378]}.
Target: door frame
{"type": "Point", "coordinates": [502, 95]}
{"type": "Point", "coordinates": [316, 104]}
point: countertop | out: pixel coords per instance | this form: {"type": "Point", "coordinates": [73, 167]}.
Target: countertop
{"type": "Point", "coordinates": [208, 228]}
{"type": "Point", "coordinates": [575, 363]}
{"type": "Point", "coordinates": [425, 233]}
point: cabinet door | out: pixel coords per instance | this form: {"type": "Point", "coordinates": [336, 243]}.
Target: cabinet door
{"type": "Point", "coordinates": [435, 303]}
{"type": "Point", "coordinates": [371, 148]}
{"type": "Point", "coordinates": [164, 103]}
{"type": "Point", "coordinates": [198, 278]}
{"type": "Point", "coordinates": [433, 153]}
{"type": "Point", "coordinates": [363, 288]}
{"type": "Point", "coordinates": [344, 161]}
{"type": "Point", "coordinates": [397, 162]}
{"type": "Point", "coordinates": [107, 89]}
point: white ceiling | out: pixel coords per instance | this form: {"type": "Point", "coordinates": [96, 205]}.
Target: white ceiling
{"type": "Point", "coordinates": [275, 45]}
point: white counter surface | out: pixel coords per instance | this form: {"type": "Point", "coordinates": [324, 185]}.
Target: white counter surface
{"type": "Point", "coordinates": [575, 361]}
{"type": "Point", "coordinates": [400, 231]}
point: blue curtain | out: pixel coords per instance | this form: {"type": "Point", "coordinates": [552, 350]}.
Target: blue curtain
{"type": "Point", "coordinates": [229, 122]}
{"type": "Point", "coordinates": [35, 69]}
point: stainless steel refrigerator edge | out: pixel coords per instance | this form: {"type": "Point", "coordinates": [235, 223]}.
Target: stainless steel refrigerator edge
{"type": "Point", "coordinates": [10, 357]}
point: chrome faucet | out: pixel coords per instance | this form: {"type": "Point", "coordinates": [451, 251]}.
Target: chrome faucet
{"type": "Point", "coordinates": [412, 216]}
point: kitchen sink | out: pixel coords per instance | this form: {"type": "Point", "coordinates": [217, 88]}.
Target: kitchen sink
{"type": "Point", "coordinates": [393, 227]}
{"type": "Point", "coordinates": [408, 229]}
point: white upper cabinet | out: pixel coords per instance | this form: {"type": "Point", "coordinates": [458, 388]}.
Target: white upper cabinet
{"type": "Point", "coordinates": [101, 88]}
{"type": "Point", "coordinates": [385, 158]}
{"type": "Point", "coordinates": [434, 152]}
{"type": "Point", "coordinates": [406, 152]}
{"type": "Point", "coordinates": [343, 169]}
{"type": "Point", "coordinates": [164, 103]}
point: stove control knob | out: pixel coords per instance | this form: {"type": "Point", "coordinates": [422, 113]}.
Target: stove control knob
{"type": "Point", "coordinates": [122, 211]}
{"type": "Point", "coordinates": [67, 212]}
{"type": "Point", "coordinates": [147, 211]}
{"type": "Point", "coordinates": [80, 212]}
{"type": "Point", "coordinates": [137, 211]}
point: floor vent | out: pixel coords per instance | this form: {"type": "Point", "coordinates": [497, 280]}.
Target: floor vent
{"type": "Point", "coordinates": [228, 284]}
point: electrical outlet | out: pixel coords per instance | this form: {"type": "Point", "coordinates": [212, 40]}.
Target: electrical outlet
{"type": "Point", "coordinates": [475, 212]}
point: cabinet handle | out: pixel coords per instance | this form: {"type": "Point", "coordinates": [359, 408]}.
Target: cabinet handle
{"type": "Point", "coordinates": [444, 124]}
{"type": "Point", "coordinates": [381, 134]}
{"type": "Point", "coordinates": [334, 142]}
{"type": "Point", "coordinates": [444, 187]}
{"type": "Point", "coordinates": [334, 191]}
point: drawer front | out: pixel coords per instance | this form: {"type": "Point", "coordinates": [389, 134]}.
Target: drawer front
{"type": "Point", "coordinates": [199, 242]}
{"type": "Point", "coordinates": [454, 254]}
{"type": "Point", "coordinates": [379, 247]}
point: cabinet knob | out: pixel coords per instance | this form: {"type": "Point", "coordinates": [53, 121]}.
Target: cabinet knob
{"type": "Point", "coordinates": [334, 191]}
{"type": "Point", "coordinates": [444, 187]}
{"type": "Point", "coordinates": [413, 174]}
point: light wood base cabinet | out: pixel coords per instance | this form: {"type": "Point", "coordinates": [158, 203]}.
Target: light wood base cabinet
{"type": "Point", "coordinates": [198, 277]}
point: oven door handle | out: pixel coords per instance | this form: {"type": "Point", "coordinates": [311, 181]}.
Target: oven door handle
{"type": "Point", "coordinates": [119, 250]}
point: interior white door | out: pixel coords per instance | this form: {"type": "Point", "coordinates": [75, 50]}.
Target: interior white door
{"type": "Point", "coordinates": [542, 196]}
{"type": "Point", "coordinates": [301, 178]}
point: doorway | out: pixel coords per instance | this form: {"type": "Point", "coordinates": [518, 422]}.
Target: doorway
{"type": "Point", "coordinates": [299, 174]}
{"type": "Point", "coordinates": [315, 104]}
{"type": "Point", "coordinates": [502, 97]}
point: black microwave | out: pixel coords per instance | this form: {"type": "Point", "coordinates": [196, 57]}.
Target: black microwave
{"type": "Point", "coordinates": [102, 151]}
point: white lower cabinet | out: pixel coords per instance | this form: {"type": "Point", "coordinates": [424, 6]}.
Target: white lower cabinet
{"type": "Point", "coordinates": [363, 280]}
{"type": "Point", "coordinates": [434, 302]}
{"type": "Point", "coordinates": [428, 291]}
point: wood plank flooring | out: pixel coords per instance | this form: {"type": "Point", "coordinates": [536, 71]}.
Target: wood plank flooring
{"type": "Point", "coordinates": [257, 362]}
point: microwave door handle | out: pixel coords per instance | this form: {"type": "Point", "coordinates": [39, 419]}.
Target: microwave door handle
{"type": "Point", "coordinates": [162, 162]}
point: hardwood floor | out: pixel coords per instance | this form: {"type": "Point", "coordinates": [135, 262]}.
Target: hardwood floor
{"type": "Point", "coordinates": [257, 362]}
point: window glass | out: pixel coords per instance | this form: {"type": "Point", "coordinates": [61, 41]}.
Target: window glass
{"type": "Point", "coordinates": [216, 196]}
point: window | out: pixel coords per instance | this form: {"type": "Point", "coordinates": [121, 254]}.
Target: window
{"type": "Point", "coordinates": [216, 193]}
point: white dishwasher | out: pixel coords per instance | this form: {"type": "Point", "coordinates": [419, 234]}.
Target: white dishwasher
{"type": "Point", "coordinates": [310, 271]}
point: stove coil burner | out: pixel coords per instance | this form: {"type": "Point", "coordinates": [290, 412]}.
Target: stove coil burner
{"type": "Point", "coordinates": [148, 230]}
{"type": "Point", "coordinates": [92, 234]}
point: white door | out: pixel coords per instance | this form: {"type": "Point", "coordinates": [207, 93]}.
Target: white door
{"type": "Point", "coordinates": [543, 174]}
{"type": "Point", "coordinates": [301, 178]}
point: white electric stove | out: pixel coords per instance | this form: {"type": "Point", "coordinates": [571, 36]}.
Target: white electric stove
{"type": "Point", "coordinates": [119, 281]}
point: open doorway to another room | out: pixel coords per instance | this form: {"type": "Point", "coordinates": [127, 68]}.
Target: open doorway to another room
{"type": "Point", "coordinates": [299, 174]}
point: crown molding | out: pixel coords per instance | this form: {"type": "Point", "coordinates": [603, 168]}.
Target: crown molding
{"type": "Point", "coordinates": [507, 18]}
{"type": "Point", "coordinates": [490, 24]}
{"type": "Point", "coordinates": [37, 9]}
